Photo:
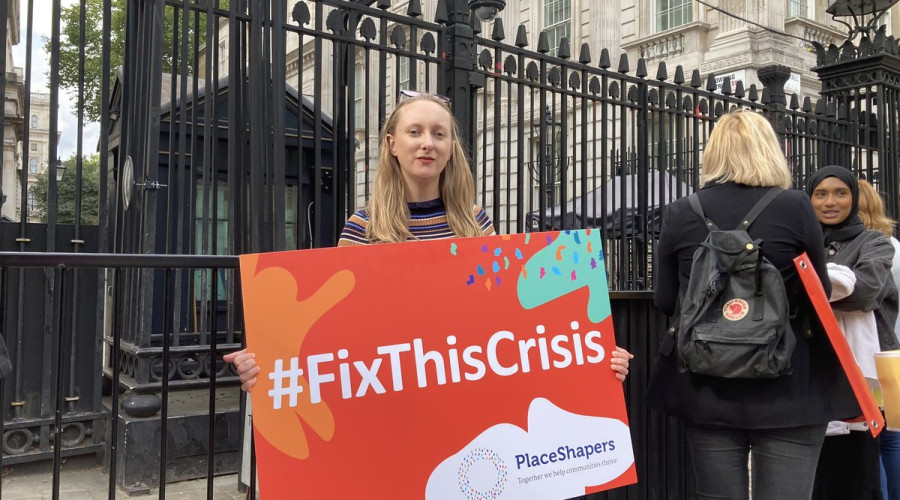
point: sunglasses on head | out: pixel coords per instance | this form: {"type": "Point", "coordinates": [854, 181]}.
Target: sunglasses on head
{"type": "Point", "coordinates": [414, 93]}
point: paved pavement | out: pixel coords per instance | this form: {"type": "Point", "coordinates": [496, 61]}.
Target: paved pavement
{"type": "Point", "coordinates": [82, 478]}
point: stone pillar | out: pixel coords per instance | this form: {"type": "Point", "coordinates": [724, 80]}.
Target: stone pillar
{"type": "Point", "coordinates": [606, 25]}
{"type": "Point", "coordinates": [728, 23]}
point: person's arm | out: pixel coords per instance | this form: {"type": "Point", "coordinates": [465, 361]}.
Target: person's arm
{"type": "Point", "coordinates": [665, 289]}
{"type": "Point", "coordinates": [872, 270]}
{"type": "Point", "coordinates": [245, 364]}
{"type": "Point", "coordinates": [484, 220]}
{"type": "Point", "coordinates": [354, 232]}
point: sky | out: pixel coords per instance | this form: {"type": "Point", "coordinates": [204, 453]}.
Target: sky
{"type": "Point", "coordinates": [40, 62]}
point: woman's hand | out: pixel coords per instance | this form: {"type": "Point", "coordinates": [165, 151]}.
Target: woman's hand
{"type": "Point", "coordinates": [245, 364]}
{"type": "Point", "coordinates": [619, 362]}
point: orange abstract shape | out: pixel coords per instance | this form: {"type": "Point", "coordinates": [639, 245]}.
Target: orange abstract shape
{"type": "Point", "coordinates": [487, 284]}
{"type": "Point", "coordinates": [589, 246]}
{"type": "Point", "coordinates": [524, 272]}
{"type": "Point", "coordinates": [559, 252]}
{"type": "Point", "coordinates": [272, 296]}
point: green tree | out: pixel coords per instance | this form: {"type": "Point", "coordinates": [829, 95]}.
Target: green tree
{"type": "Point", "coordinates": [67, 188]}
{"type": "Point", "coordinates": [70, 46]}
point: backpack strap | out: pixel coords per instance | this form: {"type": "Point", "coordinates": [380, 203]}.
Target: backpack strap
{"type": "Point", "coordinates": [759, 207]}
{"type": "Point", "coordinates": [695, 206]}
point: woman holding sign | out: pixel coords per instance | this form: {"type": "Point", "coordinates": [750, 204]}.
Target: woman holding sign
{"type": "Point", "coordinates": [777, 422]}
{"type": "Point", "coordinates": [423, 190]}
{"type": "Point", "coordinates": [849, 466]}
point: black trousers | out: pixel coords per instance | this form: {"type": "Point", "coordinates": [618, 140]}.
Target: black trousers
{"type": "Point", "coordinates": [783, 461]}
{"type": "Point", "coordinates": [849, 468]}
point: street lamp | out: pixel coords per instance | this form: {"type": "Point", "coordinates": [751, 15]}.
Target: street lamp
{"type": "Point", "coordinates": [60, 170]}
{"type": "Point", "coordinates": [486, 10]}
{"type": "Point", "coordinates": [550, 168]}
{"type": "Point", "coordinates": [858, 10]}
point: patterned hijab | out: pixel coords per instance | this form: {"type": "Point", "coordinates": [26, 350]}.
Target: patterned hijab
{"type": "Point", "coordinates": [850, 227]}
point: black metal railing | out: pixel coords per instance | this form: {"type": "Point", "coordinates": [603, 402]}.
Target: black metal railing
{"type": "Point", "coordinates": [127, 407]}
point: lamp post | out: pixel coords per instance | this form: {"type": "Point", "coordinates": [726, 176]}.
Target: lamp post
{"type": "Point", "coordinates": [486, 10]}
{"type": "Point", "coordinates": [549, 148]}
{"type": "Point", "coordinates": [60, 170]}
{"type": "Point", "coordinates": [858, 10]}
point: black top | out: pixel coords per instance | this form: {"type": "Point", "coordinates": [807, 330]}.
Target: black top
{"type": "Point", "coordinates": [816, 391]}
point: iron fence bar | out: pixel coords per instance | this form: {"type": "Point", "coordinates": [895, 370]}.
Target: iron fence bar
{"type": "Point", "coordinates": [367, 114]}
{"type": "Point", "coordinates": [303, 219]}
{"type": "Point", "coordinates": [643, 187]}
{"type": "Point", "coordinates": [280, 103]}
{"type": "Point", "coordinates": [213, 371]}
{"type": "Point", "coordinates": [109, 260]}
{"type": "Point", "coordinates": [236, 129]}
{"type": "Point", "coordinates": [520, 144]}
{"type": "Point", "coordinates": [317, 130]}
{"type": "Point", "coordinates": [604, 152]}
{"type": "Point", "coordinates": [58, 407]}
{"type": "Point", "coordinates": [182, 184]}
{"type": "Point", "coordinates": [168, 327]}
{"type": "Point", "coordinates": [496, 161]}
{"type": "Point", "coordinates": [116, 370]}
{"type": "Point", "coordinates": [510, 168]}
{"type": "Point", "coordinates": [559, 154]}
{"type": "Point", "coordinates": [584, 140]}
{"type": "Point", "coordinates": [340, 49]}
{"type": "Point", "coordinates": [619, 232]}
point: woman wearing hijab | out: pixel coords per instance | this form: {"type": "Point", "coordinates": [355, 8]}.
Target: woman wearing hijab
{"type": "Point", "coordinates": [848, 464]}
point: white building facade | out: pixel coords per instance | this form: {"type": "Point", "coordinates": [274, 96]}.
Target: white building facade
{"type": "Point", "coordinates": [13, 104]}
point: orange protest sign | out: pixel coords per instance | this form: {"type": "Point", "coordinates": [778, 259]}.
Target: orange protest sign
{"type": "Point", "coordinates": [813, 286]}
{"type": "Point", "coordinates": [473, 368]}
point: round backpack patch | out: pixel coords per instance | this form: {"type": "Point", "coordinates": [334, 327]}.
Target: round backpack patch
{"type": "Point", "coordinates": [735, 309]}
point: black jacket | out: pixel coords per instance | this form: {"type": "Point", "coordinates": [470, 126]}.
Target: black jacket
{"type": "Point", "coordinates": [870, 258]}
{"type": "Point", "coordinates": [817, 390]}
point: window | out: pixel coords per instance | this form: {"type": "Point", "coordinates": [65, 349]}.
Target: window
{"type": "Point", "coordinates": [557, 22]}
{"type": "Point", "coordinates": [33, 166]}
{"type": "Point", "coordinates": [34, 146]}
{"type": "Point", "coordinates": [798, 8]}
{"type": "Point", "coordinates": [203, 242]}
{"type": "Point", "coordinates": [32, 203]}
{"type": "Point", "coordinates": [670, 14]}
{"type": "Point", "coordinates": [34, 121]}
{"type": "Point", "coordinates": [291, 236]}
{"type": "Point", "coordinates": [358, 90]}
{"type": "Point", "coordinates": [403, 84]}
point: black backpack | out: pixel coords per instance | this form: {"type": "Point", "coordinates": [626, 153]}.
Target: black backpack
{"type": "Point", "coordinates": [735, 318]}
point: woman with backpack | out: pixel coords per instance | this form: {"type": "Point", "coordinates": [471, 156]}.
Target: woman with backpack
{"type": "Point", "coordinates": [849, 467]}
{"type": "Point", "coordinates": [777, 421]}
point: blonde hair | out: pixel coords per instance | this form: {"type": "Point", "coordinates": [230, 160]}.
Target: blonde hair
{"type": "Point", "coordinates": [871, 209]}
{"type": "Point", "coordinates": [743, 148]}
{"type": "Point", "coordinates": [388, 210]}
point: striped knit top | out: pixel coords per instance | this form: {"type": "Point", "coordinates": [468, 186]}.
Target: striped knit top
{"type": "Point", "coordinates": [428, 222]}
